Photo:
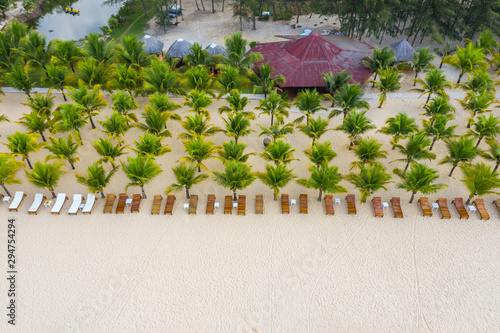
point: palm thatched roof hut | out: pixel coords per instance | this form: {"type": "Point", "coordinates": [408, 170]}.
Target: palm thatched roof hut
{"type": "Point", "coordinates": [152, 45]}
{"type": "Point", "coordinates": [403, 50]}
{"type": "Point", "coordinates": [179, 49]}
{"type": "Point", "coordinates": [215, 49]}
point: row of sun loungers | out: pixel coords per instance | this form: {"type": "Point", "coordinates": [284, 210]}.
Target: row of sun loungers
{"type": "Point", "coordinates": [61, 199]}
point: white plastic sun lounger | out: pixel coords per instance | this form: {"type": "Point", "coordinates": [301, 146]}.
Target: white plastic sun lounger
{"type": "Point", "coordinates": [77, 200]}
{"type": "Point", "coordinates": [16, 202]}
{"type": "Point", "coordinates": [61, 199]}
{"type": "Point", "coordinates": [89, 204]}
{"type": "Point", "coordinates": [37, 202]}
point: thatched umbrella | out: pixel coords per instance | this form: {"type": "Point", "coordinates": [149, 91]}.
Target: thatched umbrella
{"type": "Point", "coordinates": [179, 49]}
{"type": "Point", "coordinates": [403, 50]}
{"type": "Point", "coordinates": [215, 49]}
{"type": "Point", "coordinates": [152, 45]}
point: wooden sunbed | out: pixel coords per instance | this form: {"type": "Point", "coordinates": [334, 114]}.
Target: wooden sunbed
{"type": "Point", "coordinates": [377, 206]}
{"type": "Point", "coordinates": [303, 203]}
{"type": "Point", "coordinates": [329, 205]}
{"type": "Point", "coordinates": [285, 204]}
{"type": "Point", "coordinates": [424, 204]}
{"type": "Point", "coordinates": [228, 204]}
{"type": "Point", "coordinates": [351, 204]}
{"type": "Point", "coordinates": [89, 203]}
{"type": "Point", "coordinates": [136, 203]}
{"type": "Point", "coordinates": [259, 204]}
{"type": "Point", "coordinates": [396, 207]}
{"type": "Point", "coordinates": [37, 203]}
{"type": "Point", "coordinates": [443, 207]}
{"type": "Point", "coordinates": [156, 204]}
{"type": "Point", "coordinates": [16, 201]}
{"type": "Point", "coordinates": [61, 199]}
{"type": "Point", "coordinates": [459, 205]}
{"type": "Point", "coordinates": [193, 204]}
{"type": "Point", "coordinates": [110, 201]}
{"type": "Point", "coordinates": [169, 206]}
{"type": "Point", "coordinates": [242, 204]}
{"type": "Point", "coordinates": [497, 204]}
{"type": "Point", "coordinates": [210, 204]}
{"type": "Point", "coordinates": [483, 213]}
{"type": "Point", "coordinates": [120, 208]}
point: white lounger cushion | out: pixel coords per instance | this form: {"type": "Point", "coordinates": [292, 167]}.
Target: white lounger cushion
{"type": "Point", "coordinates": [89, 203]}
{"type": "Point", "coordinates": [18, 197]}
{"type": "Point", "coordinates": [61, 198]}
{"type": "Point", "coordinates": [36, 203]}
{"type": "Point", "coordinates": [77, 200]}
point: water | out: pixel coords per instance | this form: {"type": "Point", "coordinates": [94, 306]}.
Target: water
{"type": "Point", "coordinates": [56, 23]}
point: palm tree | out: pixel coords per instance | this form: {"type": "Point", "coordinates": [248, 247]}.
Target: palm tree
{"type": "Point", "coordinates": [45, 175]}
{"type": "Point", "coordinates": [487, 42]}
{"type": "Point", "coordinates": [355, 125]}
{"type": "Point", "coordinates": [199, 150]}
{"type": "Point", "coordinates": [69, 118]}
{"type": "Point", "coordinates": [124, 77]}
{"type": "Point", "coordinates": [320, 153]}
{"type": "Point", "coordinates": [236, 53]}
{"type": "Point", "coordinates": [196, 126]}
{"type": "Point", "coordinates": [41, 104]}
{"type": "Point", "coordinates": [315, 129]}
{"type": "Point", "coordinates": [63, 149]}
{"type": "Point", "coordinates": [399, 126]}
{"type": "Point", "coordinates": [150, 144]}
{"type": "Point", "coordinates": [467, 60]}
{"type": "Point", "coordinates": [369, 180]}
{"type": "Point", "coordinates": [349, 97]}
{"type": "Point", "coordinates": [55, 77]}
{"type": "Point", "coordinates": [98, 48]}
{"type": "Point", "coordinates": [420, 178]}
{"type": "Point", "coordinates": [162, 103]}
{"type": "Point", "coordinates": [275, 105]}
{"type": "Point", "coordinates": [115, 126]}
{"type": "Point", "coordinates": [308, 102]}
{"type": "Point", "coordinates": [90, 101]}
{"type": "Point", "coordinates": [66, 53]}
{"type": "Point", "coordinates": [368, 151]}
{"type": "Point", "coordinates": [480, 180]}
{"type": "Point", "coordinates": [416, 149]}
{"type": "Point", "coordinates": [493, 153]}
{"type": "Point", "coordinates": [35, 50]}
{"type": "Point", "coordinates": [199, 79]}
{"type": "Point", "coordinates": [131, 52]}
{"type": "Point", "coordinates": [18, 77]}
{"type": "Point", "coordinates": [324, 178]}
{"type": "Point", "coordinates": [460, 150]}
{"type": "Point", "coordinates": [334, 82]}
{"type": "Point", "coordinates": [279, 152]}
{"type": "Point", "coordinates": [123, 103]}
{"type": "Point", "coordinates": [160, 78]}
{"type": "Point", "coordinates": [237, 104]}
{"type": "Point", "coordinates": [186, 177]}
{"type": "Point", "coordinates": [8, 169]}
{"type": "Point", "coordinates": [36, 123]}
{"type": "Point", "coordinates": [389, 82]}
{"type": "Point", "coordinates": [446, 51]}
{"type": "Point", "coordinates": [198, 101]}
{"type": "Point", "coordinates": [434, 83]}
{"type": "Point", "coordinates": [422, 60]}
{"type": "Point", "coordinates": [485, 128]}
{"type": "Point", "coordinates": [140, 170]}
{"type": "Point", "coordinates": [438, 106]}
{"type": "Point", "coordinates": [276, 177]}
{"type": "Point", "coordinates": [233, 150]}
{"type": "Point", "coordinates": [108, 150]}
{"type": "Point", "coordinates": [438, 129]}
{"type": "Point", "coordinates": [380, 59]}
{"type": "Point", "coordinates": [479, 82]}
{"type": "Point", "coordinates": [277, 132]}
{"type": "Point", "coordinates": [236, 176]}
{"type": "Point", "coordinates": [155, 122]}
{"type": "Point", "coordinates": [229, 79]}
{"type": "Point", "coordinates": [92, 73]}
{"type": "Point", "coordinates": [198, 57]}
{"type": "Point", "coordinates": [23, 144]}
{"type": "Point", "coordinates": [476, 104]}
{"type": "Point", "coordinates": [237, 125]}
{"type": "Point", "coordinates": [264, 81]}
{"type": "Point", "coordinates": [96, 179]}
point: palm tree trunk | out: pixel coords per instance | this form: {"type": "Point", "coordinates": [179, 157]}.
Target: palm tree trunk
{"type": "Point", "coordinates": [72, 166]}
{"type": "Point", "coordinates": [452, 169]}
{"type": "Point", "coordinates": [234, 193]}
{"type": "Point", "coordinates": [143, 193]}
{"type": "Point", "coordinates": [53, 194]}
{"type": "Point", "coordinates": [415, 79]}
{"type": "Point", "coordinates": [469, 199]}
{"type": "Point", "coordinates": [433, 142]}
{"type": "Point", "coordinates": [460, 77]}
{"type": "Point", "coordinates": [406, 167]}
{"type": "Point", "coordinates": [43, 136]}
{"type": "Point", "coordinates": [428, 98]}
{"type": "Point", "coordinates": [64, 95]}
{"type": "Point", "coordinates": [8, 193]}
{"type": "Point", "coordinates": [496, 167]}
{"type": "Point", "coordinates": [272, 118]}
{"type": "Point", "coordinates": [144, 8]}
{"type": "Point", "coordinates": [187, 192]}
{"type": "Point", "coordinates": [197, 4]}
{"type": "Point", "coordinates": [320, 194]}
{"type": "Point", "coordinates": [412, 196]}
{"type": "Point", "coordinates": [202, 5]}
{"type": "Point", "coordinates": [112, 165]}
{"type": "Point", "coordinates": [213, 6]}
{"type": "Point", "coordinates": [29, 163]}
{"type": "Point", "coordinates": [91, 122]}
{"type": "Point", "coordinates": [479, 141]}
{"type": "Point", "coordinates": [102, 195]}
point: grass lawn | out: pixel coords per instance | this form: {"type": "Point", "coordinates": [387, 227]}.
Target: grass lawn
{"type": "Point", "coordinates": [136, 24]}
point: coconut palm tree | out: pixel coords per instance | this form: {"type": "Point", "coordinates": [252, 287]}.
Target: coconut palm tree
{"type": "Point", "coordinates": [8, 169]}
{"type": "Point", "coordinates": [35, 123]}
{"type": "Point", "coordinates": [467, 60]}
{"type": "Point", "coordinates": [477, 104]}
{"type": "Point", "coordinates": [96, 178]}
{"type": "Point", "coordinates": [485, 128]}
{"type": "Point", "coordinates": [264, 82]}
{"type": "Point", "coordinates": [480, 179]}
{"type": "Point", "coordinates": [276, 177]}
{"type": "Point", "coordinates": [69, 118]}
{"type": "Point", "coordinates": [355, 125]}
{"type": "Point", "coordinates": [415, 149]}
{"type": "Point", "coordinates": [186, 177]}
{"type": "Point", "coordinates": [155, 122]}
{"type": "Point", "coordinates": [55, 77]}
{"type": "Point", "coordinates": [18, 77]}
{"type": "Point", "coordinates": [90, 101]}
{"type": "Point", "coordinates": [446, 51]}
{"type": "Point", "coordinates": [123, 103]}
{"type": "Point", "coordinates": [461, 150]}
{"type": "Point", "coordinates": [140, 170]}
{"type": "Point", "coordinates": [438, 106]}
{"type": "Point", "coordinates": [198, 101]}
{"type": "Point", "coordinates": [434, 83]}
{"type": "Point", "coordinates": [160, 78]}
{"type": "Point", "coordinates": [422, 59]}
{"type": "Point", "coordinates": [349, 97]}
{"type": "Point", "coordinates": [66, 53]}
{"type": "Point", "coordinates": [108, 151]}
{"type": "Point", "coordinates": [41, 104]}
{"type": "Point", "coordinates": [236, 53]}
{"type": "Point", "coordinates": [479, 82]}
{"type": "Point", "coordinates": [98, 48]}
{"type": "Point", "coordinates": [3, 118]}
{"type": "Point", "coordinates": [199, 150]}
{"type": "Point", "coordinates": [200, 79]}
{"type": "Point", "coordinates": [236, 176]}
{"type": "Point", "coordinates": [370, 179]}
{"type": "Point", "coordinates": [64, 149]}
{"type": "Point", "coordinates": [486, 42]}
{"type": "Point", "coordinates": [150, 144]}
{"type": "Point", "coordinates": [196, 126]}
{"type": "Point", "coordinates": [380, 59]}
{"type": "Point", "coordinates": [420, 178]}
{"type": "Point", "coordinates": [229, 79]}
{"type": "Point", "coordinates": [198, 57]}
{"type": "Point", "coordinates": [334, 82]}
{"type": "Point", "coordinates": [389, 82]}
{"type": "Point", "coordinates": [237, 104]}
{"type": "Point", "coordinates": [315, 129]}
{"type": "Point", "coordinates": [237, 125]}
{"type": "Point", "coordinates": [163, 104]}
{"type": "Point", "coordinates": [279, 152]}
{"type": "Point", "coordinates": [45, 175]}
{"type": "Point", "coordinates": [126, 78]}
{"type": "Point", "coordinates": [275, 105]}
{"type": "Point", "coordinates": [438, 129]}
{"type": "Point", "coordinates": [277, 132]}
{"type": "Point", "coordinates": [308, 102]}
{"type": "Point", "coordinates": [493, 152]}
{"type": "Point", "coordinates": [131, 53]}
{"type": "Point", "coordinates": [368, 151]}
{"type": "Point", "coordinates": [115, 126]}
{"type": "Point", "coordinates": [35, 50]}
{"type": "Point", "coordinates": [92, 73]}
{"type": "Point", "coordinates": [320, 153]}
{"type": "Point", "coordinates": [23, 144]}
{"type": "Point", "coordinates": [233, 150]}
{"type": "Point", "coordinates": [399, 127]}
{"type": "Point", "coordinates": [324, 178]}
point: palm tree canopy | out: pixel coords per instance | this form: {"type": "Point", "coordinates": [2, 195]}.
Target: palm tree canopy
{"type": "Point", "coordinates": [279, 152]}
{"type": "Point", "coordinates": [150, 144]}
{"type": "Point", "coordinates": [276, 177]}
{"type": "Point", "coordinates": [480, 179]}
{"type": "Point", "coordinates": [96, 178]}
{"type": "Point", "coordinates": [140, 170]}
{"type": "Point", "coordinates": [185, 176]}
{"type": "Point", "coordinates": [45, 175]}
{"type": "Point", "coordinates": [460, 149]}
{"type": "Point", "coordinates": [420, 178]}
{"type": "Point", "coordinates": [199, 150]}
{"type": "Point", "coordinates": [63, 149]}
{"type": "Point", "coordinates": [349, 97]}
{"type": "Point", "coordinates": [355, 124]}
{"type": "Point", "coordinates": [108, 150]}
{"type": "Point", "coordinates": [320, 153]}
{"type": "Point", "coordinates": [160, 78]}
{"type": "Point", "coordinates": [236, 176]}
{"type": "Point", "coordinates": [400, 125]}
{"type": "Point", "coordinates": [324, 178]}
{"type": "Point", "coordinates": [233, 150]}
{"type": "Point", "coordinates": [370, 179]}
{"type": "Point", "coordinates": [368, 151]}
{"type": "Point", "coordinates": [197, 125]}
{"type": "Point", "coordinates": [8, 169]}
{"type": "Point", "coordinates": [309, 102]}
{"type": "Point", "coordinates": [275, 105]}
{"type": "Point", "coordinates": [277, 132]}
{"type": "Point", "coordinates": [237, 125]}
{"type": "Point", "coordinates": [315, 129]}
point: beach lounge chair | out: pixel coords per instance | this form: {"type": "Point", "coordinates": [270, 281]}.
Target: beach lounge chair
{"type": "Point", "coordinates": [89, 203]}
{"type": "Point", "coordinates": [136, 203]}
{"type": "Point", "coordinates": [61, 199]}
{"type": "Point", "coordinates": [122, 200]}
{"type": "Point", "coordinates": [459, 205]}
{"type": "Point", "coordinates": [242, 204]}
{"type": "Point", "coordinates": [37, 203]}
{"type": "Point", "coordinates": [228, 204]}
{"type": "Point", "coordinates": [77, 201]}
{"type": "Point", "coordinates": [483, 213]}
{"type": "Point", "coordinates": [443, 207]}
{"type": "Point", "coordinates": [210, 204]}
{"type": "Point", "coordinates": [351, 204]}
{"type": "Point", "coordinates": [110, 201]}
{"type": "Point", "coordinates": [329, 205]}
{"type": "Point", "coordinates": [497, 204]}
{"type": "Point", "coordinates": [193, 204]}
{"type": "Point", "coordinates": [285, 204]}
{"type": "Point", "coordinates": [156, 204]}
{"type": "Point", "coordinates": [424, 204]}
{"type": "Point", "coordinates": [303, 203]}
{"type": "Point", "coordinates": [396, 207]}
{"type": "Point", "coordinates": [259, 204]}
{"type": "Point", "coordinates": [16, 202]}
{"type": "Point", "coordinates": [377, 206]}
{"type": "Point", "coordinates": [169, 206]}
